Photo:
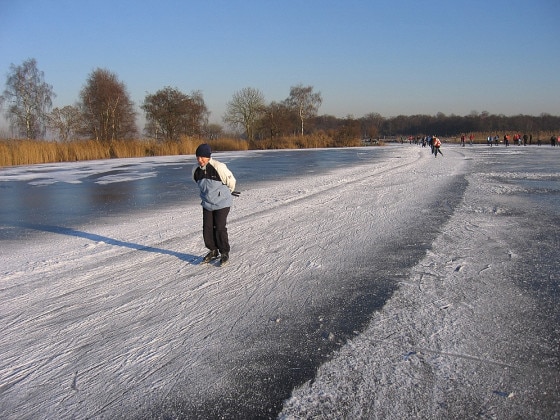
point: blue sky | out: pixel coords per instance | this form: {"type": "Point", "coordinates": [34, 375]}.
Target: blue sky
{"type": "Point", "coordinates": [391, 57]}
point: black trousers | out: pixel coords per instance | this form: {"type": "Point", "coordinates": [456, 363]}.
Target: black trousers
{"type": "Point", "coordinates": [214, 229]}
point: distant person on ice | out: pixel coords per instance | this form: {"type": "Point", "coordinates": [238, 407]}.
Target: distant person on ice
{"type": "Point", "coordinates": [216, 183]}
{"type": "Point", "coordinates": [436, 145]}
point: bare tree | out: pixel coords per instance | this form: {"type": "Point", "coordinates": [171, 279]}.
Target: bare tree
{"type": "Point", "coordinates": [198, 115]}
{"type": "Point", "coordinates": [371, 124]}
{"type": "Point", "coordinates": [29, 99]}
{"type": "Point", "coordinates": [278, 120]}
{"type": "Point", "coordinates": [213, 131]}
{"type": "Point", "coordinates": [171, 113]}
{"type": "Point", "coordinates": [66, 122]}
{"type": "Point", "coordinates": [245, 109]}
{"type": "Point", "coordinates": [107, 110]}
{"type": "Point", "coordinates": [304, 102]}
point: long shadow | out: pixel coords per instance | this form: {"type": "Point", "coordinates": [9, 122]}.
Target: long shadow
{"type": "Point", "coordinates": [191, 259]}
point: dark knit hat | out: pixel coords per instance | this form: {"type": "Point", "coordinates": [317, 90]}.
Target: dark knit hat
{"type": "Point", "coordinates": [203, 150]}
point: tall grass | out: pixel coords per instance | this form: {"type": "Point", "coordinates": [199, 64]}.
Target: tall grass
{"type": "Point", "coordinates": [28, 152]}
{"type": "Point", "coordinates": [313, 141]}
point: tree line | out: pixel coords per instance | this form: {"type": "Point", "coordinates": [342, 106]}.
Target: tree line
{"type": "Point", "coordinates": [105, 113]}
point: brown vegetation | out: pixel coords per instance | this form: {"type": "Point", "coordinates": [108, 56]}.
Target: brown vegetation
{"type": "Point", "coordinates": [312, 141]}
{"type": "Point", "coordinates": [27, 152]}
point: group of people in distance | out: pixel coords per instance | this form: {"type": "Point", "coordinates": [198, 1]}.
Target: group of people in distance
{"type": "Point", "coordinates": [434, 144]}
{"type": "Point", "coordinates": [463, 139]}
{"type": "Point", "coordinates": [519, 140]}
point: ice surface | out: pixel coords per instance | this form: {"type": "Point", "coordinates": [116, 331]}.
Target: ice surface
{"type": "Point", "coordinates": [411, 287]}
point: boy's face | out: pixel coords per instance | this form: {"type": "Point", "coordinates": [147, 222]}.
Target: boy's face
{"type": "Point", "coordinates": [202, 161]}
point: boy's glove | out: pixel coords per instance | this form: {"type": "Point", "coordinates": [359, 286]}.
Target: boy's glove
{"type": "Point", "coordinates": [236, 193]}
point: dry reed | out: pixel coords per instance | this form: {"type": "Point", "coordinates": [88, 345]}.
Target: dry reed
{"type": "Point", "coordinates": [28, 152]}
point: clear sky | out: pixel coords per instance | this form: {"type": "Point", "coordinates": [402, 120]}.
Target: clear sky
{"type": "Point", "coordinates": [391, 57]}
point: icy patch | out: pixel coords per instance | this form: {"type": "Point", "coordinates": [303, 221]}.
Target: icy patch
{"type": "Point", "coordinates": [77, 172]}
{"type": "Point", "coordinates": [128, 176]}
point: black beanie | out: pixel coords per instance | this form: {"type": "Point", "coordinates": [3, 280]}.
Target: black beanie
{"type": "Point", "coordinates": [203, 150]}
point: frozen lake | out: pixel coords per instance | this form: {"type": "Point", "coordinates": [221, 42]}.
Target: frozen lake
{"type": "Point", "coordinates": [77, 193]}
{"type": "Point", "coordinates": [364, 283]}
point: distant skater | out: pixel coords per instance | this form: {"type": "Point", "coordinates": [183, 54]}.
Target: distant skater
{"type": "Point", "coordinates": [216, 184]}
{"type": "Point", "coordinates": [436, 146]}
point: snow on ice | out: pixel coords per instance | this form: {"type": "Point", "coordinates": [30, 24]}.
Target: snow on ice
{"type": "Point", "coordinates": [407, 287]}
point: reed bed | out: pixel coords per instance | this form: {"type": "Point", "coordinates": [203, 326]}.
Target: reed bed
{"type": "Point", "coordinates": [28, 152]}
